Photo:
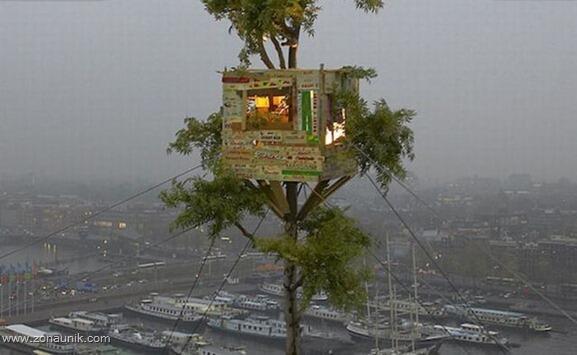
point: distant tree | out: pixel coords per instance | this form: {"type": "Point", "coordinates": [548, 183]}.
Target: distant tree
{"type": "Point", "coordinates": [318, 245]}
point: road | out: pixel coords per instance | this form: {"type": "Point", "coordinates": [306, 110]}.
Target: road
{"type": "Point", "coordinates": [172, 278]}
{"type": "Point", "coordinates": [117, 299]}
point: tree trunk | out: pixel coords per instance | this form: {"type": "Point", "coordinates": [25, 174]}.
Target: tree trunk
{"type": "Point", "coordinates": [293, 49]}
{"type": "Point", "coordinates": [292, 314]}
{"type": "Point", "coordinates": [292, 60]}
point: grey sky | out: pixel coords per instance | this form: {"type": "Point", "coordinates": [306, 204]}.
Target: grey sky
{"type": "Point", "coordinates": [98, 88]}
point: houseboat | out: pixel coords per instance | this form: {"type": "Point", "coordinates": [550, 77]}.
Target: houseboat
{"type": "Point", "coordinates": [79, 325]}
{"type": "Point", "coordinates": [140, 340]}
{"type": "Point", "coordinates": [469, 333]}
{"type": "Point", "coordinates": [498, 318]}
{"type": "Point", "coordinates": [25, 340]}
{"type": "Point", "coordinates": [278, 291]}
{"type": "Point", "coordinates": [325, 313]}
{"type": "Point", "coordinates": [170, 308]}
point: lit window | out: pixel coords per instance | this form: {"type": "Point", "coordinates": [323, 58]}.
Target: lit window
{"type": "Point", "coordinates": [335, 123]}
{"type": "Point", "coordinates": [269, 109]}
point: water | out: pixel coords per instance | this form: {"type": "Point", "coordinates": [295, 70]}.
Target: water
{"type": "Point", "coordinates": [42, 253]}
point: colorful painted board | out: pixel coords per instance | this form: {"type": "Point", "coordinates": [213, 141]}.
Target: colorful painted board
{"type": "Point", "coordinates": [286, 142]}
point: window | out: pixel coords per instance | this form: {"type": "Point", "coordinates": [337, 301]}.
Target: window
{"type": "Point", "coordinates": [335, 122]}
{"type": "Point", "coordinates": [269, 109]}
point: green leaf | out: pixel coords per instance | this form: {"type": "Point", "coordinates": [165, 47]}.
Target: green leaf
{"type": "Point", "coordinates": [219, 203]}
{"type": "Point", "coordinates": [327, 257]}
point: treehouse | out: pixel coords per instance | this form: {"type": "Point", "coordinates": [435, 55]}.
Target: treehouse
{"type": "Point", "coordinates": [284, 125]}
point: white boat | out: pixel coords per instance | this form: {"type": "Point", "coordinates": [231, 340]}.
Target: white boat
{"type": "Point", "coordinates": [498, 318]}
{"type": "Point", "coordinates": [143, 341]}
{"type": "Point", "coordinates": [401, 338]}
{"type": "Point", "coordinates": [80, 325]}
{"type": "Point", "coordinates": [100, 319]}
{"type": "Point", "coordinates": [405, 351]}
{"type": "Point", "coordinates": [24, 340]}
{"type": "Point", "coordinates": [170, 308]}
{"type": "Point", "coordinates": [365, 331]}
{"type": "Point", "coordinates": [208, 349]}
{"type": "Point", "coordinates": [325, 313]}
{"type": "Point", "coordinates": [259, 303]}
{"type": "Point", "coordinates": [468, 333]}
{"type": "Point", "coordinates": [219, 350]}
{"type": "Point", "coordinates": [278, 290]}
{"type": "Point", "coordinates": [256, 326]}
{"type": "Point", "coordinates": [225, 297]}
{"type": "Point", "coordinates": [196, 345]}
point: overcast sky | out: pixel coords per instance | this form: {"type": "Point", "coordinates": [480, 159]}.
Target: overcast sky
{"type": "Point", "coordinates": [96, 89]}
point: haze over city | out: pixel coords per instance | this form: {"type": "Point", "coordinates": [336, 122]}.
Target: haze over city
{"type": "Point", "coordinates": [97, 89]}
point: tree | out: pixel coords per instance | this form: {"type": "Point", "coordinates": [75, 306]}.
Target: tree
{"type": "Point", "coordinates": [319, 246]}
{"type": "Point", "coordinates": [280, 21]}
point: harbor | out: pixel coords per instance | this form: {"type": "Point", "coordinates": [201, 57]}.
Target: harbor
{"type": "Point", "coordinates": [257, 331]}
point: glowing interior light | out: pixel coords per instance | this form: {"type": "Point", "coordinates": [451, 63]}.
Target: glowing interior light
{"type": "Point", "coordinates": [337, 132]}
{"type": "Point", "coordinates": [261, 102]}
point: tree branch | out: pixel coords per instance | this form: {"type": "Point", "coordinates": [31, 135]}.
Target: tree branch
{"type": "Point", "coordinates": [264, 56]}
{"type": "Point", "coordinates": [244, 232]}
{"type": "Point", "coordinates": [279, 52]}
{"type": "Point", "coordinates": [293, 49]}
{"type": "Point", "coordinates": [299, 282]}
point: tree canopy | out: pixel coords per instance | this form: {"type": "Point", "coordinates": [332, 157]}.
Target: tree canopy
{"type": "Point", "coordinates": [278, 21]}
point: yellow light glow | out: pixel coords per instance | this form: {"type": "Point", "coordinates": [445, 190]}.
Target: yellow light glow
{"type": "Point", "coordinates": [337, 132]}
{"type": "Point", "coordinates": [261, 102]}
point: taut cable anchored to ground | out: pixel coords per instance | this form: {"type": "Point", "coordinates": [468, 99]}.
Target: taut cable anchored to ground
{"type": "Point", "coordinates": [221, 286]}
{"type": "Point", "coordinates": [485, 252]}
{"type": "Point", "coordinates": [191, 289]}
{"type": "Point", "coordinates": [397, 279]}
{"type": "Point", "coordinates": [433, 261]}
{"type": "Point", "coordinates": [117, 262]}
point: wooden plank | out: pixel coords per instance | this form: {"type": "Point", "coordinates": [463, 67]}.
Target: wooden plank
{"type": "Point", "coordinates": [314, 199]}
{"type": "Point", "coordinates": [277, 190]}
{"type": "Point", "coordinates": [334, 187]}
{"type": "Point", "coordinates": [269, 201]}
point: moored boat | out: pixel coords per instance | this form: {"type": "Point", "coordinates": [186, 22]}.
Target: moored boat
{"type": "Point", "coordinates": [28, 340]}
{"type": "Point", "coordinates": [361, 330]}
{"type": "Point", "coordinates": [79, 325]}
{"type": "Point", "coordinates": [325, 313]}
{"type": "Point", "coordinates": [140, 340]}
{"type": "Point", "coordinates": [100, 319]}
{"type": "Point", "coordinates": [498, 318]}
{"type": "Point", "coordinates": [468, 333]}
{"type": "Point", "coordinates": [188, 310]}
{"type": "Point", "coordinates": [278, 291]}
{"type": "Point", "coordinates": [254, 326]}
